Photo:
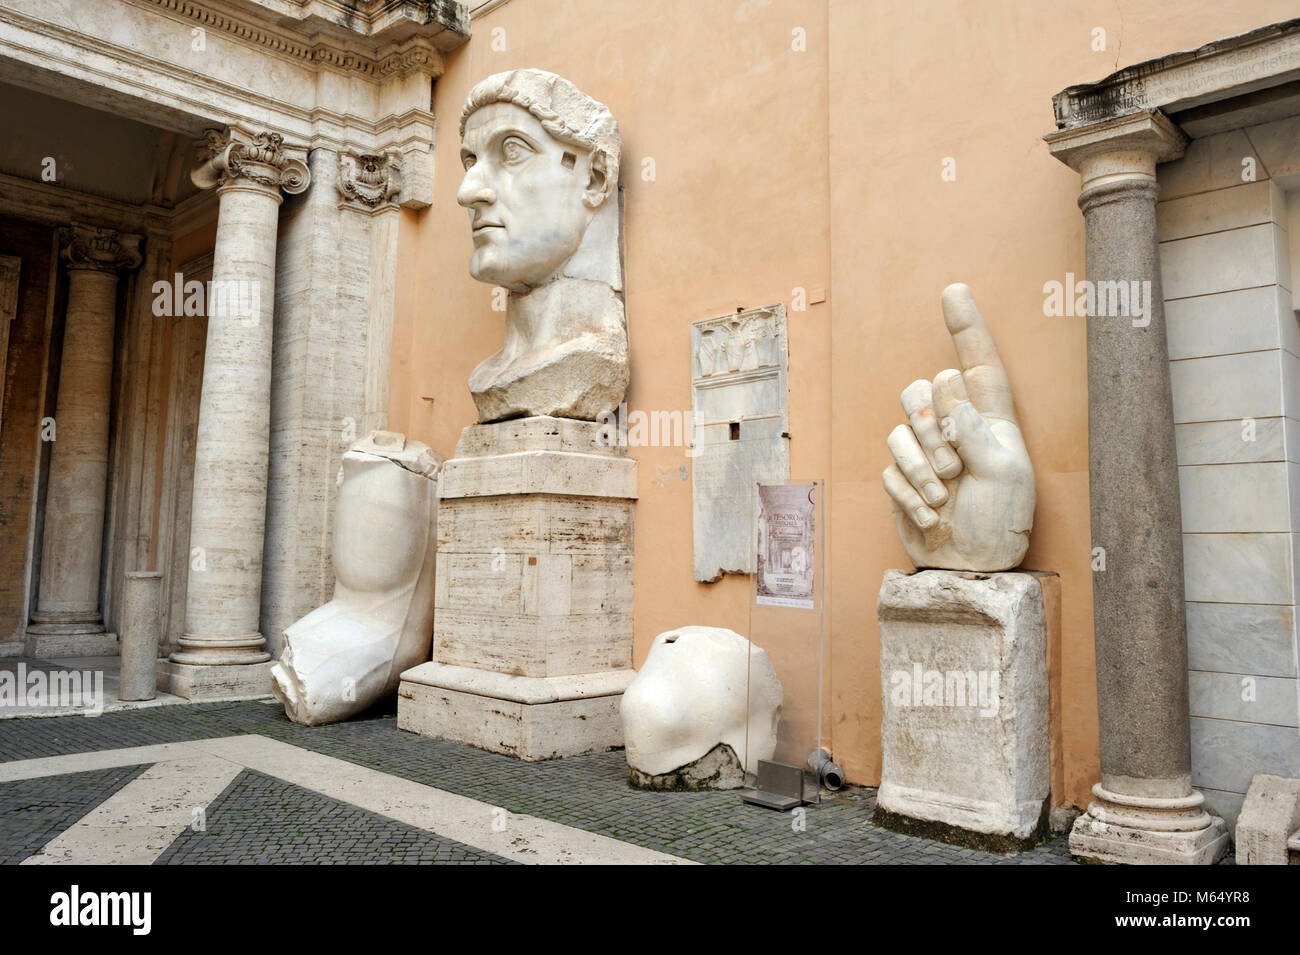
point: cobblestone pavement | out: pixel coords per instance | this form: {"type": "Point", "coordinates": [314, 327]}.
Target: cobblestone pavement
{"type": "Point", "coordinates": [34, 811]}
{"type": "Point", "coordinates": [260, 820]}
{"type": "Point", "coordinates": [587, 792]}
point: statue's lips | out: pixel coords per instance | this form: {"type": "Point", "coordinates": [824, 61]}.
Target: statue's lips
{"type": "Point", "coordinates": [483, 228]}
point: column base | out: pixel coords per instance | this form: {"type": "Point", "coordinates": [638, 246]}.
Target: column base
{"type": "Point", "coordinates": [202, 684]}
{"type": "Point", "coordinates": [530, 718]}
{"type": "Point", "coordinates": [241, 650]}
{"type": "Point", "coordinates": [1122, 830]}
{"type": "Point", "coordinates": [52, 640]}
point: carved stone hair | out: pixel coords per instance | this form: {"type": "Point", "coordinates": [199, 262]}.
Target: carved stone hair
{"type": "Point", "coordinates": [564, 111]}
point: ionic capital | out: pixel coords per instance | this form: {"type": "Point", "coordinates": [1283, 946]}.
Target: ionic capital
{"type": "Point", "coordinates": [237, 156]}
{"type": "Point", "coordinates": [104, 250]}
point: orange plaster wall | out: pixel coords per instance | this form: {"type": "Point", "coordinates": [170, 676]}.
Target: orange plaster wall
{"type": "Point", "coordinates": [820, 169]}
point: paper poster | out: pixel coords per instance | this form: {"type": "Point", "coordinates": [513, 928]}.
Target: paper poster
{"type": "Point", "coordinates": [787, 554]}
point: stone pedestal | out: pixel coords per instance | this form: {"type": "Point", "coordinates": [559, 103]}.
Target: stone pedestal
{"type": "Point", "coordinates": [964, 723]}
{"type": "Point", "coordinates": [67, 620]}
{"type": "Point", "coordinates": [140, 631]}
{"type": "Point", "coordinates": [532, 645]}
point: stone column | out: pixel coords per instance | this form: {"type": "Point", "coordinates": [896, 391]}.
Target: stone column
{"type": "Point", "coordinates": [1145, 809]}
{"type": "Point", "coordinates": [223, 598]}
{"type": "Point", "coordinates": [67, 620]}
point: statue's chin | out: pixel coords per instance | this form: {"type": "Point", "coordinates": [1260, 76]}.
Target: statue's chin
{"type": "Point", "coordinates": [491, 274]}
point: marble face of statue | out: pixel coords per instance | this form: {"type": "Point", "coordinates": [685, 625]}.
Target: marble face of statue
{"type": "Point", "coordinates": [541, 187]}
{"type": "Point", "coordinates": [530, 196]}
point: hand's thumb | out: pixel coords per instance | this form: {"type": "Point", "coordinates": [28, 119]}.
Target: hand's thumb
{"type": "Point", "coordinates": [970, 434]}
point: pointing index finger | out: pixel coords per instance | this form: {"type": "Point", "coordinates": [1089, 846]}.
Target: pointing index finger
{"type": "Point", "coordinates": [986, 379]}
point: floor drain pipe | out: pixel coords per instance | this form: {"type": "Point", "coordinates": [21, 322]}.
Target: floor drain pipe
{"type": "Point", "coordinates": [828, 772]}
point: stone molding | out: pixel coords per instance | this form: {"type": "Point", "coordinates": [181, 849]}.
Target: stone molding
{"type": "Point", "coordinates": [104, 250]}
{"type": "Point", "coordinates": [373, 20]}
{"type": "Point", "coordinates": [370, 181]}
{"type": "Point", "coordinates": [237, 155]}
{"type": "Point", "coordinates": [1124, 147]}
{"type": "Point", "coordinates": [1228, 67]}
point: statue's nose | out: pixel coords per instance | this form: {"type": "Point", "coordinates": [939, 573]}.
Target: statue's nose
{"type": "Point", "coordinates": [474, 191]}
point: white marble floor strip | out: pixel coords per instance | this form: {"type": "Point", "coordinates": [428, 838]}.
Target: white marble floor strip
{"type": "Point", "coordinates": [145, 816]}
{"type": "Point", "coordinates": [139, 821]}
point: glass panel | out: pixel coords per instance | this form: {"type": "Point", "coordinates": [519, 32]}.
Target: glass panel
{"type": "Point", "coordinates": [786, 619]}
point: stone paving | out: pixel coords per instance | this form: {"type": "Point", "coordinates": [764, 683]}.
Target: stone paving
{"type": "Point", "coordinates": [34, 811]}
{"type": "Point", "coordinates": [259, 819]}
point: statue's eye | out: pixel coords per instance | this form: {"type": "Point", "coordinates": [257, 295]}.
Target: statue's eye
{"type": "Point", "coordinates": [468, 160]}
{"type": "Point", "coordinates": [514, 149]}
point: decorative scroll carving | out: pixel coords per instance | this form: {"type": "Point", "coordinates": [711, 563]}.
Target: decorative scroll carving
{"type": "Point", "coordinates": [371, 179]}
{"type": "Point", "coordinates": [88, 247]}
{"type": "Point", "coordinates": [261, 157]}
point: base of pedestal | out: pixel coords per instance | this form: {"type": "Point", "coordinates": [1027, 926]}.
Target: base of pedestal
{"type": "Point", "coordinates": [530, 718]}
{"type": "Point", "coordinates": [1099, 835]}
{"type": "Point", "coordinates": [202, 684]}
{"type": "Point", "coordinates": [978, 824]}
{"type": "Point", "coordinates": [52, 640]}
{"type": "Point", "coordinates": [1120, 845]}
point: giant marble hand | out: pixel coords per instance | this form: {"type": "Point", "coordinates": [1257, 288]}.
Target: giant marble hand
{"type": "Point", "coordinates": [961, 484]}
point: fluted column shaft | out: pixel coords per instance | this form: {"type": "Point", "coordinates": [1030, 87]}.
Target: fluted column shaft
{"type": "Point", "coordinates": [72, 543]}
{"type": "Point", "coordinates": [228, 515]}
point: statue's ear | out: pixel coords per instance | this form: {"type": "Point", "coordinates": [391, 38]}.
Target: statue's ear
{"type": "Point", "coordinates": [598, 185]}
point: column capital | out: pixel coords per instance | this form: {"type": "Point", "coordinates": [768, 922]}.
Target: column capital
{"type": "Point", "coordinates": [1118, 149]}
{"type": "Point", "coordinates": [238, 156]}
{"type": "Point", "coordinates": [371, 181]}
{"type": "Point", "coordinates": [104, 250]}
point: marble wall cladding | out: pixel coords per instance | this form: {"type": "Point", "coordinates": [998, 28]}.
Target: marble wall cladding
{"type": "Point", "coordinates": [740, 398]}
{"type": "Point", "coordinates": [1234, 342]}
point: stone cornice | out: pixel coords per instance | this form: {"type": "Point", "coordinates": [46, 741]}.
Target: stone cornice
{"type": "Point", "coordinates": [413, 35]}
{"type": "Point", "coordinates": [1228, 67]}
{"type": "Point", "coordinates": [53, 204]}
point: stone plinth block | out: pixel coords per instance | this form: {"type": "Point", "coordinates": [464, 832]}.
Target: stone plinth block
{"type": "Point", "coordinates": [964, 727]}
{"type": "Point", "coordinates": [529, 718]}
{"type": "Point", "coordinates": [203, 684]}
{"type": "Point", "coordinates": [1269, 817]}
{"type": "Point", "coordinates": [533, 585]}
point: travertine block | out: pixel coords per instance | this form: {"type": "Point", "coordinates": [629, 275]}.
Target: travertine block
{"type": "Point", "coordinates": [964, 727]}
{"type": "Point", "coordinates": [1269, 816]}
{"type": "Point", "coordinates": [533, 583]}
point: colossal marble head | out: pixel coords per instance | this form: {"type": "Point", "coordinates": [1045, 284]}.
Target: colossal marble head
{"type": "Point", "coordinates": [541, 188]}
{"type": "Point", "coordinates": [541, 160]}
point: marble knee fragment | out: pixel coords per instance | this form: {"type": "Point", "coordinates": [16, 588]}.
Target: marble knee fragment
{"type": "Point", "coordinates": [685, 717]}
{"type": "Point", "coordinates": [347, 655]}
